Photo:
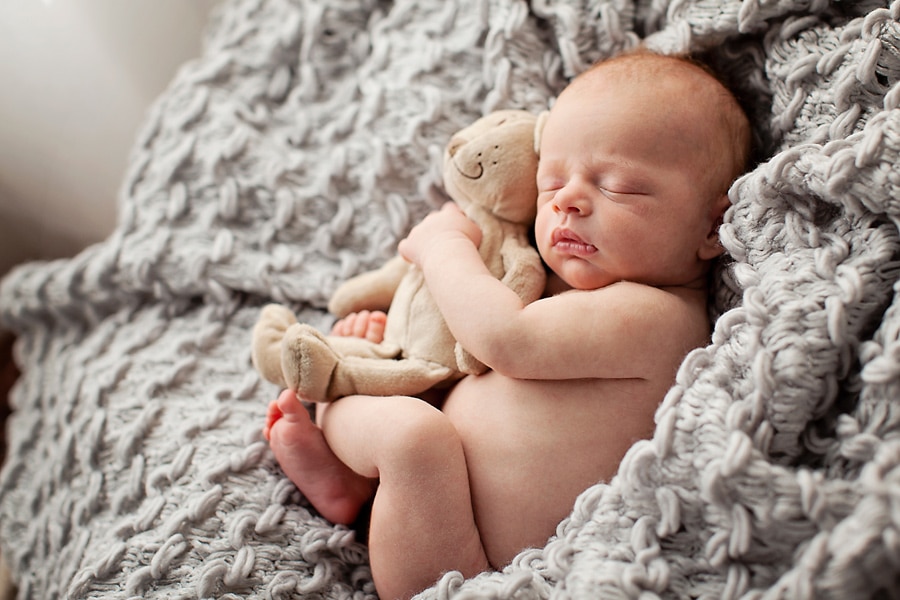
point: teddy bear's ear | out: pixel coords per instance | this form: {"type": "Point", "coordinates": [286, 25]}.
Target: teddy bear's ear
{"type": "Point", "coordinates": [538, 129]}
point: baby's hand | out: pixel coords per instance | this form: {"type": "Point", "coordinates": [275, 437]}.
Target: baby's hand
{"type": "Point", "coordinates": [364, 324]}
{"type": "Point", "coordinates": [449, 222]}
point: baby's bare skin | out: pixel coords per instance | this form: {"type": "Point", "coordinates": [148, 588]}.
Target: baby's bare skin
{"type": "Point", "coordinates": [524, 436]}
{"type": "Point", "coordinates": [533, 446]}
{"type": "Point", "coordinates": [305, 457]}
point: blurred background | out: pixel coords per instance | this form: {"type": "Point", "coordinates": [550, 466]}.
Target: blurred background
{"type": "Point", "coordinates": [76, 79]}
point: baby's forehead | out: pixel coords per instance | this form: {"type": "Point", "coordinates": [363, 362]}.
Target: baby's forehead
{"type": "Point", "coordinates": [668, 85]}
{"type": "Point", "coordinates": [666, 103]}
{"type": "Point", "coordinates": [651, 73]}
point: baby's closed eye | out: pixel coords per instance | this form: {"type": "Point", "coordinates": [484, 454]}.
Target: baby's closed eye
{"type": "Point", "coordinates": [550, 184]}
{"type": "Point", "coordinates": [546, 192]}
{"type": "Point", "coordinates": [629, 185]}
{"type": "Point", "coordinates": [621, 194]}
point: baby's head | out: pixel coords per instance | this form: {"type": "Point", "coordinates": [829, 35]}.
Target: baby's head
{"type": "Point", "coordinates": [636, 158]}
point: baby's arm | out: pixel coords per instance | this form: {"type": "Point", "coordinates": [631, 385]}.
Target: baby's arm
{"type": "Point", "coordinates": [472, 301]}
{"type": "Point", "coordinates": [621, 331]}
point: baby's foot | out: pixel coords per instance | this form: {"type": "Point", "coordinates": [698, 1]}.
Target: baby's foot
{"type": "Point", "coordinates": [332, 487]}
{"type": "Point", "coordinates": [363, 324]}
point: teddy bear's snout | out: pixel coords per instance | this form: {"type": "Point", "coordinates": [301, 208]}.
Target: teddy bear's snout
{"type": "Point", "coordinates": [472, 161]}
{"type": "Point", "coordinates": [456, 142]}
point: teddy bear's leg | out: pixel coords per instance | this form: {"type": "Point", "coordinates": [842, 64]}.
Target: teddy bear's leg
{"type": "Point", "coordinates": [380, 377]}
{"type": "Point", "coordinates": [324, 368]}
{"type": "Point", "coordinates": [308, 362]}
{"type": "Point", "coordinates": [268, 332]}
{"type": "Point", "coordinates": [314, 364]}
{"type": "Point", "coordinates": [354, 346]}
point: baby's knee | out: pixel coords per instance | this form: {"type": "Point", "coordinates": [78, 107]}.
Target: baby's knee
{"type": "Point", "coordinates": [422, 437]}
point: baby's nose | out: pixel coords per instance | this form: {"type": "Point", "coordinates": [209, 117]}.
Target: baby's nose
{"type": "Point", "coordinates": [566, 207]}
{"type": "Point", "coordinates": [569, 200]}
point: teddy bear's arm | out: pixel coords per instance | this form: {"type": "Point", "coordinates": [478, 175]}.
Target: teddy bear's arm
{"type": "Point", "coordinates": [524, 272]}
{"type": "Point", "coordinates": [373, 290]}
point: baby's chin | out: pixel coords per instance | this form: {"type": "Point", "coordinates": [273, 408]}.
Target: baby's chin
{"type": "Point", "coordinates": [575, 279]}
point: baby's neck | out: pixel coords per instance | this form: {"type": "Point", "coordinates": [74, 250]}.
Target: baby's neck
{"type": "Point", "coordinates": [555, 285]}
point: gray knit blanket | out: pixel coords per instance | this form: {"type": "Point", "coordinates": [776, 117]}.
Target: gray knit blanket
{"type": "Point", "coordinates": [302, 146]}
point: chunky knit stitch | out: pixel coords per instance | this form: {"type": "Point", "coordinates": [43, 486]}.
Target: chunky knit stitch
{"type": "Point", "coordinates": [302, 146]}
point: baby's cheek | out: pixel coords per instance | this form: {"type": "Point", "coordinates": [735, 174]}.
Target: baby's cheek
{"type": "Point", "coordinates": [541, 222]}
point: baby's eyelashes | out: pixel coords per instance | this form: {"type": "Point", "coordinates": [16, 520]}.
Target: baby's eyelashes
{"type": "Point", "coordinates": [618, 195]}
{"type": "Point", "coordinates": [620, 189]}
{"type": "Point", "coordinates": [622, 185]}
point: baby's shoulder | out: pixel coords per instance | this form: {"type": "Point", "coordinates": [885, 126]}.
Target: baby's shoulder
{"type": "Point", "coordinates": [666, 307]}
{"type": "Point", "coordinates": [678, 312]}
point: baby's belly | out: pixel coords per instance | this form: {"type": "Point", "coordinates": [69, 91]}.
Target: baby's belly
{"type": "Point", "coordinates": [532, 447]}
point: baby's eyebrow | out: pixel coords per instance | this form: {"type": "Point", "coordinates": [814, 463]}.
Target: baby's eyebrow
{"type": "Point", "coordinates": [617, 161]}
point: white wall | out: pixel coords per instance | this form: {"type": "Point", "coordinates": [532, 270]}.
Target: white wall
{"type": "Point", "coordinates": [76, 79]}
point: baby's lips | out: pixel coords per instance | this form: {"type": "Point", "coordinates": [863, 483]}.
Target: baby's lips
{"type": "Point", "coordinates": [566, 235]}
{"type": "Point", "coordinates": [568, 243]}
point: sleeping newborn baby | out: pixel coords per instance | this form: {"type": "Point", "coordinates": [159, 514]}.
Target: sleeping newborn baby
{"type": "Point", "coordinates": [636, 158]}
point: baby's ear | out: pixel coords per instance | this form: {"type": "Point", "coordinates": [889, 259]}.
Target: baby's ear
{"type": "Point", "coordinates": [711, 248]}
{"type": "Point", "coordinates": [538, 130]}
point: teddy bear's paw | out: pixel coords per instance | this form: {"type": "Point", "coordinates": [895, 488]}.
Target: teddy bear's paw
{"type": "Point", "coordinates": [466, 363]}
{"type": "Point", "coordinates": [268, 332]}
{"type": "Point", "coordinates": [308, 362]}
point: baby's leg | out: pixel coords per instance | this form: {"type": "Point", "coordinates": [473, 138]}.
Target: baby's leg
{"type": "Point", "coordinates": [422, 521]}
{"type": "Point", "coordinates": [300, 448]}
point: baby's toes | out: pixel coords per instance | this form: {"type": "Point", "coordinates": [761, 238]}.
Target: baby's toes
{"type": "Point", "coordinates": [273, 415]}
{"type": "Point", "coordinates": [375, 327]}
{"type": "Point", "coordinates": [290, 407]}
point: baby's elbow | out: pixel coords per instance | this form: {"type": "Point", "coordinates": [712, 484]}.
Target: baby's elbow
{"type": "Point", "coordinates": [507, 358]}
{"type": "Point", "coordinates": [513, 369]}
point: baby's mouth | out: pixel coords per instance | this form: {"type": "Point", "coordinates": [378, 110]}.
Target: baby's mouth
{"type": "Point", "coordinates": [565, 241]}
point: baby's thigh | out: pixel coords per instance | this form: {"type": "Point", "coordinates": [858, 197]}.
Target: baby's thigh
{"type": "Point", "coordinates": [375, 435]}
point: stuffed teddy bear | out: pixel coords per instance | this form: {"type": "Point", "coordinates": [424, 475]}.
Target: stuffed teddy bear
{"type": "Point", "coordinates": [489, 170]}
